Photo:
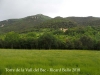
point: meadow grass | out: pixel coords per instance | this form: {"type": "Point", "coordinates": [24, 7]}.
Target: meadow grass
{"type": "Point", "coordinates": [75, 62]}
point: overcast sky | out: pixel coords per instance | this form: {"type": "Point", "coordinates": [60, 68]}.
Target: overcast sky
{"type": "Point", "coordinates": [10, 9]}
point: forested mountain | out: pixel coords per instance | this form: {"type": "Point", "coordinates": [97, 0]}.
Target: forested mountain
{"type": "Point", "coordinates": [85, 20]}
{"type": "Point", "coordinates": [41, 21]}
{"type": "Point", "coordinates": [22, 24]}
{"type": "Point", "coordinates": [57, 22]}
{"type": "Point", "coordinates": [42, 32]}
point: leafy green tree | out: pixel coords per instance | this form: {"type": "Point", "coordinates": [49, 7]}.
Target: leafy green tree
{"type": "Point", "coordinates": [30, 34]}
{"type": "Point", "coordinates": [98, 45]}
{"type": "Point", "coordinates": [80, 30]}
{"type": "Point", "coordinates": [78, 44]}
{"type": "Point", "coordinates": [31, 43]}
{"type": "Point", "coordinates": [11, 39]}
{"type": "Point", "coordinates": [70, 32]}
{"type": "Point", "coordinates": [69, 44]}
{"type": "Point", "coordinates": [57, 32]}
{"type": "Point", "coordinates": [1, 43]}
{"type": "Point", "coordinates": [87, 42]}
{"type": "Point", "coordinates": [47, 41]}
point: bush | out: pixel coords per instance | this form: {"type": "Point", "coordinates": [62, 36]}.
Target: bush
{"type": "Point", "coordinates": [48, 41]}
{"type": "Point", "coordinates": [87, 42]}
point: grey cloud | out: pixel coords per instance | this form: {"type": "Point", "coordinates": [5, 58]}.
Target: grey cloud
{"type": "Point", "coordinates": [21, 8]}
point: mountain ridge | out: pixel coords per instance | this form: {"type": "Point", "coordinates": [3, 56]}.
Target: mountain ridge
{"type": "Point", "coordinates": [43, 21]}
{"type": "Point", "coordinates": [23, 23]}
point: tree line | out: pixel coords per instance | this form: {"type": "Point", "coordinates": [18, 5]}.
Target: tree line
{"type": "Point", "coordinates": [13, 40]}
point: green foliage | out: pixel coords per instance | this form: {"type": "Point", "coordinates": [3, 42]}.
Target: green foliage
{"type": "Point", "coordinates": [23, 24]}
{"type": "Point", "coordinates": [85, 21]}
{"type": "Point", "coordinates": [35, 36]}
{"type": "Point", "coordinates": [57, 23]}
{"type": "Point", "coordinates": [47, 41]}
{"type": "Point", "coordinates": [58, 32]}
{"type": "Point", "coordinates": [69, 44]}
{"type": "Point", "coordinates": [73, 38]}
{"type": "Point", "coordinates": [1, 43]}
{"type": "Point", "coordinates": [30, 34]}
{"type": "Point", "coordinates": [87, 42]}
{"type": "Point", "coordinates": [36, 22]}
{"type": "Point", "coordinates": [78, 44]}
{"type": "Point", "coordinates": [98, 45]}
{"type": "Point", "coordinates": [11, 38]}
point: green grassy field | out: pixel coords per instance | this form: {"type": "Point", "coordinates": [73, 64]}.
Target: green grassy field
{"type": "Point", "coordinates": [49, 62]}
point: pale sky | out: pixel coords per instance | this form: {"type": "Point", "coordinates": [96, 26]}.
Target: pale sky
{"type": "Point", "coordinates": [12, 9]}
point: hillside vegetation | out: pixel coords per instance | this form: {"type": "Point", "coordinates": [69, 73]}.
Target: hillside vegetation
{"type": "Point", "coordinates": [19, 25]}
{"type": "Point", "coordinates": [30, 23]}
{"type": "Point", "coordinates": [86, 20]}
{"type": "Point", "coordinates": [43, 32]}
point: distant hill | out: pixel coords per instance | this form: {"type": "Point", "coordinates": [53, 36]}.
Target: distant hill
{"type": "Point", "coordinates": [57, 22]}
{"type": "Point", "coordinates": [42, 21]}
{"type": "Point", "coordinates": [85, 20]}
{"type": "Point", "coordinates": [22, 24]}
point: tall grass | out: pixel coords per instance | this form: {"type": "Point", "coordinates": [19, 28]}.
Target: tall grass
{"type": "Point", "coordinates": [87, 61]}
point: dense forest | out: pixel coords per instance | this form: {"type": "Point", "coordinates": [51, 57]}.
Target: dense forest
{"type": "Point", "coordinates": [43, 32]}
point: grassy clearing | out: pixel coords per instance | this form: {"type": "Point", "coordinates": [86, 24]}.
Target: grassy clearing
{"type": "Point", "coordinates": [87, 61]}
